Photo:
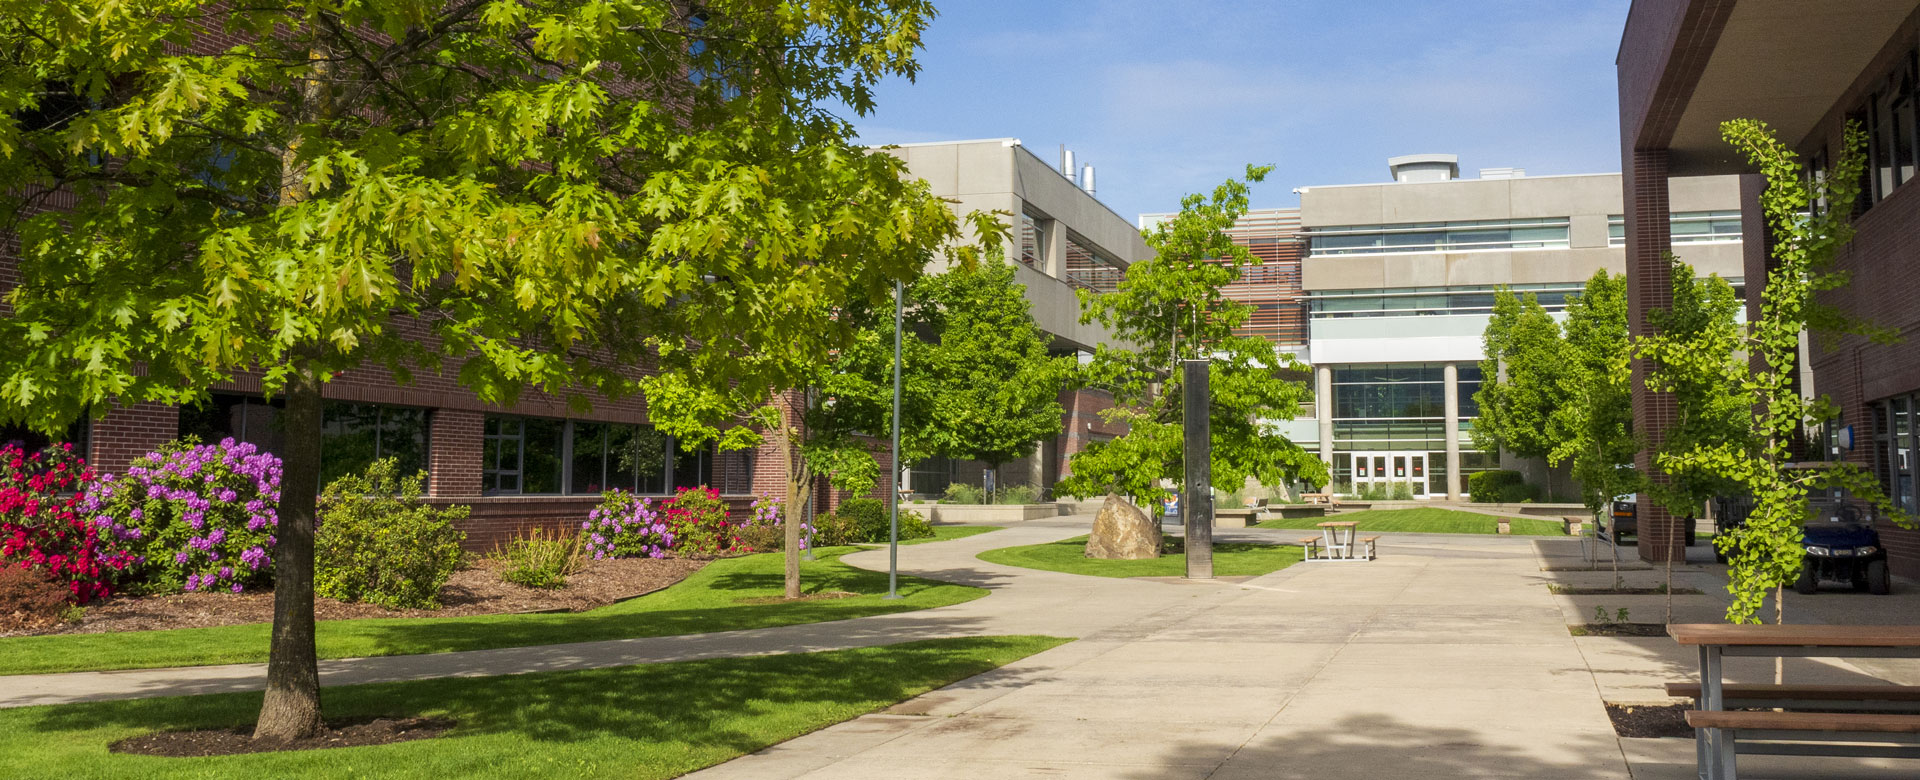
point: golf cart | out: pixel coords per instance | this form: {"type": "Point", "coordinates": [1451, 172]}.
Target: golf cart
{"type": "Point", "coordinates": [1843, 547]}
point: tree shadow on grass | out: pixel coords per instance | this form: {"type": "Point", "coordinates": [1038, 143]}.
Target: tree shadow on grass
{"type": "Point", "coordinates": [690, 714]}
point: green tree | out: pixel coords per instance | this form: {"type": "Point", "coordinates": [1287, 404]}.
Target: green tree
{"type": "Point", "coordinates": [1596, 421]}
{"type": "Point", "coordinates": [990, 389]}
{"type": "Point", "coordinates": [529, 194]}
{"type": "Point", "coordinates": [1169, 308]}
{"type": "Point", "coordinates": [1709, 407]}
{"type": "Point", "coordinates": [1523, 402]}
{"type": "Point", "coordinates": [1767, 550]}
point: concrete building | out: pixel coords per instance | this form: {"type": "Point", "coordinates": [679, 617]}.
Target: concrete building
{"type": "Point", "coordinates": [1062, 239]}
{"type": "Point", "coordinates": [1806, 69]}
{"type": "Point", "coordinates": [1397, 280]}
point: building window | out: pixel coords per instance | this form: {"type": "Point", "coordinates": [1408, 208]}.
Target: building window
{"type": "Point", "coordinates": [1896, 424]}
{"type": "Point", "coordinates": [536, 456]}
{"type": "Point", "coordinates": [1033, 242]}
{"type": "Point", "coordinates": [1686, 227]}
{"type": "Point", "coordinates": [1892, 135]}
{"type": "Point", "coordinates": [1086, 268]}
{"type": "Point", "coordinates": [1461, 236]}
{"type": "Point", "coordinates": [353, 436]}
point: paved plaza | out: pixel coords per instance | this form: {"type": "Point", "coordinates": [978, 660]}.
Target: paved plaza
{"type": "Point", "coordinates": [1447, 657]}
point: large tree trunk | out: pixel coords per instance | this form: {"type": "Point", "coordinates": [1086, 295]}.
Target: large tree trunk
{"type": "Point", "coordinates": [292, 706]}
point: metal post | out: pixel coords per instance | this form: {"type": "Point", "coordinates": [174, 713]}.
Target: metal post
{"type": "Point", "coordinates": [893, 526]}
{"type": "Point", "coordinates": [1198, 451]}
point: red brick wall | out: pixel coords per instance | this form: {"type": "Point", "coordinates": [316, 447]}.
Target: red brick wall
{"type": "Point", "coordinates": [128, 432]}
{"type": "Point", "coordinates": [453, 453]}
{"type": "Point", "coordinates": [1081, 421]}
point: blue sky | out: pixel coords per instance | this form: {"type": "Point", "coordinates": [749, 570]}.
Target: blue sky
{"type": "Point", "coordinates": [1166, 97]}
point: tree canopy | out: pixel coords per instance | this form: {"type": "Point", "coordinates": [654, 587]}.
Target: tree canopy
{"type": "Point", "coordinates": [1172, 307]}
{"type": "Point", "coordinates": [525, 194]}
{"type": "Point", "coordinates": [1767, 551]}
{"type": "Point", "coordinates": [1523, 402]}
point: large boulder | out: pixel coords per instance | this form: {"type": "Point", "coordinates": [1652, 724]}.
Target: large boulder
{"type": "Point", "coordinates": [1123, 532]}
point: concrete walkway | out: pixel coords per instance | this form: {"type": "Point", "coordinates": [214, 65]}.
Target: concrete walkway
{"type": "Point", "coordinates": [1447, 657]}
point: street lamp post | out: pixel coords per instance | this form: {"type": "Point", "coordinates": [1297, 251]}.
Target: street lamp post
{"type": "Point", "coordinates": [893, 526]}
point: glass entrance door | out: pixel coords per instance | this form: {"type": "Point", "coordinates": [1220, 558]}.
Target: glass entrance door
{"type": "Point", "coordinates": [1387, 468]}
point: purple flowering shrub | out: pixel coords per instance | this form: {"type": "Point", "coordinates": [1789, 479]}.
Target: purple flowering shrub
{"type": "Point", "coordinates": [198, 516]}
{"type": "Point", "coordinates": [627, 526]}
{"type": "Point", "coordinates": [762, 531]}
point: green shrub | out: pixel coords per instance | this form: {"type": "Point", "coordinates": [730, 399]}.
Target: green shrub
{"type": "Point", "coordinates": [379, 544]}
{"type": "Point", "coordinates": [1403, 491]}
{"type": "Point", "coordinates": [1229, 501]}
{"type": "Point", "coordinates": [961, 493]}
{"type": "Point", "coordinates": [1017, 494]}
{"type": "Point", "coordinates": [543, 559]}
{"type": "Point", "coordinates": [865, 521]}
{"type": "Point", "coordinates": [1501, 486]}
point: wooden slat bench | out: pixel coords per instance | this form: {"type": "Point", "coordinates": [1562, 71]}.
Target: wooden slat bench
{"type": "Point", "coordinates": [1888, 698]}
{"type": "Point", "coordinates": [1841, 734]}
{"type": "Point", "coordinates": [1310, 546]}
{"type": "Point", "coordinates": [1368, 542]}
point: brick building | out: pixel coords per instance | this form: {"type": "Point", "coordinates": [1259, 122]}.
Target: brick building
{"type": "Point", "coordinates": [1806, 69]}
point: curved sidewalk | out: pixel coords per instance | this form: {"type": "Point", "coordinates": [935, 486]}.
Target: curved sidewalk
{"type": "Point", "coordinates": [1023, 601]}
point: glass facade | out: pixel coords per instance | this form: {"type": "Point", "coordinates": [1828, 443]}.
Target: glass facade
{"type": "Point", "coordinates": [1889, 117]}
{"type": "Point", "coordinates": [1459, 236]}
{"type": "Point", "coordinates": [1428, 301]}
{"type": "Point", "coordinates": [1687, 227]}
{"type": "Point", "coordinates": [540, 456]}
{"type": "Point", "coordinates": [1398, 411]}
{"type": "Point", "coordinates": [352, 436]}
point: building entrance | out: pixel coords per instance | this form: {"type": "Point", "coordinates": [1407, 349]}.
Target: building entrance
{"type": "Point", "coordinates": [1390, 467]}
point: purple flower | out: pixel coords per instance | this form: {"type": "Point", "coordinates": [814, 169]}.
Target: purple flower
{"type": "Point", "coordinates": [180, 557]}
{"type": "Point", "coordinates": [237, 588]}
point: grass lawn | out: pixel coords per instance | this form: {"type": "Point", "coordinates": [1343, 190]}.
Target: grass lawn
{"type": "Point", "coordinates": [943, 533]}
{"type": "Point", "coordinates": [1069, 555]}
{"type": "Point", "coordinates": [713, 599]}
{"type": "Point", "coordinates": [647, 721]}
{"type": "Point", "coordinates": [1423, 521]}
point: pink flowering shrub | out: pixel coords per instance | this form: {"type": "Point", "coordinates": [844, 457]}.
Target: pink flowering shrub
{"type": "Point", "coordinates": [626, 526]}
{"type": "Point", "coordinates": [763, 530]}
{"type": "Point", "coordinates": [698, 521]}
{"type": "Point", "coordinates": [42, 528]}
{"type": "Point", "coordinates": [200, 516]}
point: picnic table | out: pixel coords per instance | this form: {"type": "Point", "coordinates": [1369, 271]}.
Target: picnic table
{"type": "Point", "coordinates": [1320, 498]}
{"type": "Point", "coordinates": [1336, 542]}
{"type": "Point", "coordinates": [1719, 734]}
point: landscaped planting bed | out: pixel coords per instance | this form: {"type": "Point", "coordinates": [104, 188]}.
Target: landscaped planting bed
{"type": "Point", "coordinates": [477, 590]}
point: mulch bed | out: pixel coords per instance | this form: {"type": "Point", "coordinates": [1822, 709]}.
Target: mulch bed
{"type": "Point", "coordinates": [235, 741]}
{"type": "Point", "coordinates": [477, 590]}
{"type": "Point", "coordinates": [1618, 629]}
{"type": "Point", "coordinates": [1650, 720]}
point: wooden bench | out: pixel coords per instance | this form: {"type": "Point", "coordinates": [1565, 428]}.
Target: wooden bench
{"type": "Point", "coordinates": [1368, 542]}
{"type": "Point", "coordinates": [1310, 547]}
{"type": "Point", "coordinates": [1841, 734]}
{"type": "Point", "coordinates": [1888, 698]}
{"type": "Point", "coordinates": [1329, 499]}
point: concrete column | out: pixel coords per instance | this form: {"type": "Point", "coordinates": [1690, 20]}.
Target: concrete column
{"type": "Point", "coordinates": [1323, 412]}
{"type": "Point", "coordinates": [1452, 375]}
{"type": "Point", "coordinates": [1650, 287]}
{"type": "Point", "coordinates": [1054, 235]}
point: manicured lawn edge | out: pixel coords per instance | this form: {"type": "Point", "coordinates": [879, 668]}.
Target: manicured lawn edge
{"type": "Point", "coordinates": [1068, 556]}
{"type": "Point", "coordinates": [1423, 520]}
{"type": "Point", "coordinates": [945, 533]}
{"type": "Point", "coordinates": [710, 600]}
{"type": "Point", "coordinates": [649, 721]}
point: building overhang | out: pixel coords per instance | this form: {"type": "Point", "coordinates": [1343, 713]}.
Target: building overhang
{"type": "Point", "coordinates": [1685, 66]}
